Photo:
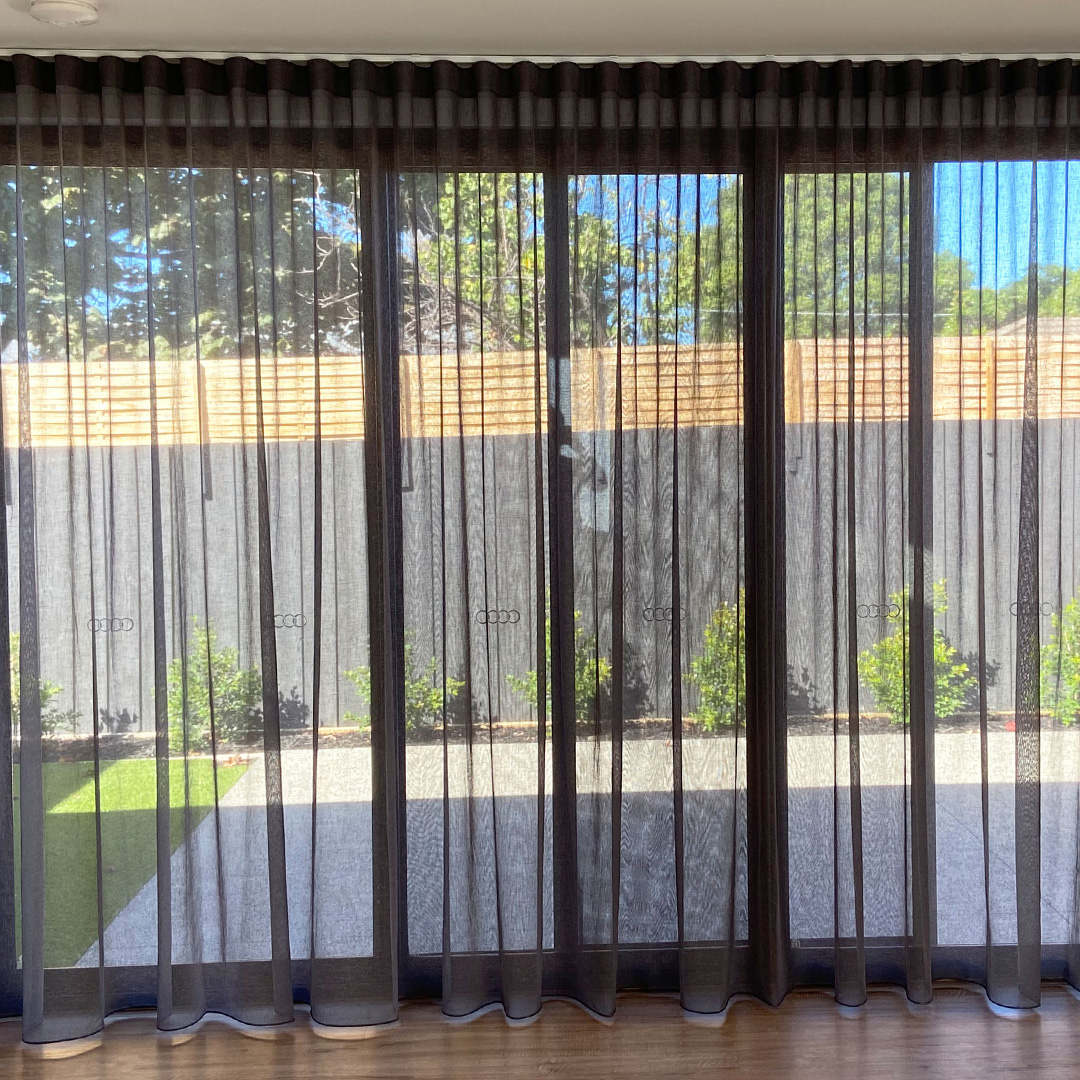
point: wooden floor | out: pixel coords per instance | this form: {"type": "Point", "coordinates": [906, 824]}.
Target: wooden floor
{"type": "Point", "coordinates": [809, 1037]}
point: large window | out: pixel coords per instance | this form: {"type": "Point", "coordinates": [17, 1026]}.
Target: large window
{"type": "Point", "coordinates": [186, 381]}
{"type": "Point", "coordinates": [847, 306]}
{"type": "Point", "coordinates": [474, 421]}
{"type": "Point", "coordinates": [503, 531]}
{"type": "Point", "coordinates": [651, 387]}
{"type": "Point", "coordinates": [1006, 409]}
{"type": "Point", "coordinates": [177, 326]}
{"type": "Point", "coordinates": [655, 490]}
{"type": "Point", "coordinates": [981, 491]}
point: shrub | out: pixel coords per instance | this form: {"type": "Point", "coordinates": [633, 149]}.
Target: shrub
{"type": "Point", "coordinates": [237, 702]}
{"type": "Point", "coordinates": [424, 692]}
{"type": "Point", "coordinates": [592, 672]}
{"type": "Point", "coordinates": [719, 670]}
{"type": "Point", "coordinates": [883, 666]}
{"type": "Point", "coordinates": [51, 717]}
{"type": "Point", "coordinates": [1061, 665]}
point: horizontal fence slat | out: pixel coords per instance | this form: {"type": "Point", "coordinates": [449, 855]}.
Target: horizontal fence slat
{"type": "Point", "coordinates": [107, 403]}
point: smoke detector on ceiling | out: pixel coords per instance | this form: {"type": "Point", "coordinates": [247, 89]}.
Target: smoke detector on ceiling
{"type": "Point", "coordinates": [65, 12]}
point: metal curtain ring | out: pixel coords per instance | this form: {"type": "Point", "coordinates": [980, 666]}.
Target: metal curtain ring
{"type": "Point", "coordinates": [498, 616]}
{"type": "Point", "coordinates": [1017, 608]}
{"type": "Point", "coordinates": [656, 613]}
{"type": "Point", "coordinates": [290, 621]}
{"type": "Point", "coordinates": [878, 611]}
{"type": "Point", "coordinates": [109, 626]}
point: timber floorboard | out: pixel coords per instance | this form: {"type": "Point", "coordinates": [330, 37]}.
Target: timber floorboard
{"type": "Point", "coordinates": [958, 1036]}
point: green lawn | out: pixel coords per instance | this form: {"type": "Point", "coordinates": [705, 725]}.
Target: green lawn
{"type": "Point", "coordinates": [128, 793]}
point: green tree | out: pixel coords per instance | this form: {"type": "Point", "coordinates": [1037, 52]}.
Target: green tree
{"type": "Point", "coordinates": [655, 259]}
{"type": "Point", "coordinates": [846, 254]}
{"type": "Point", "coordinates": [116, 258]}
{"type": "Point", "coordinates": [51, 716]}
{"type": "Point", "coordinates": [1061, 665]}
{"type": "Point", "coordinates": [719, 670]}
{"type": "Point", "coordinates": [592, 673]}
{"type": "Point", "coordinates": [472, 260]}
{"type": "Point", "coordinates": [426, 696]}
{"type": "Point", "coordinates": [883, 667]}
{"type": "Point", "coordinates": [208, 684]}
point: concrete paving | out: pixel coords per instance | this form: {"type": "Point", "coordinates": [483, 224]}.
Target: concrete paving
{"type": "Point", "coordinates": [221, 910]}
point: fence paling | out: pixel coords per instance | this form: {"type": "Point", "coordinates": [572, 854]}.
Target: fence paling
{"type": "Point", "coordinates": [107, 403]}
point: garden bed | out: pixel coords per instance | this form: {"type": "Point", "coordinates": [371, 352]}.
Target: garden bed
{"type": "Point", "coordinates": [142, 744]}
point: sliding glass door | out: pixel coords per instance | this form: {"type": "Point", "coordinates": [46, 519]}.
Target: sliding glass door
{"type": "Point", "coordinates": [572, 551]}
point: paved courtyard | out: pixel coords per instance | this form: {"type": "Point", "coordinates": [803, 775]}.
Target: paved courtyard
{"type": "Point", "coordinates": [219, 876]}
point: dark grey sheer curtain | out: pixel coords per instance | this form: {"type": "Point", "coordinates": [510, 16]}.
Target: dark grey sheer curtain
{"type": "Point", "coordinates": [500, 532]}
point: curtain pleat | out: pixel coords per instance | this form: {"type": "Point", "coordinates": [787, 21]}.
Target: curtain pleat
{"type": "Point", "coordinates": [495, 532]}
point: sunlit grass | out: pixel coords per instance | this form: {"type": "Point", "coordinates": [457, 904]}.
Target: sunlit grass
{"type": "Point", "coordinates": [128, 798]}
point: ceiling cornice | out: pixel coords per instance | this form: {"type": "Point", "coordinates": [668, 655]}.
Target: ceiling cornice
{"type": "Point", "coordinates": [419, 58]}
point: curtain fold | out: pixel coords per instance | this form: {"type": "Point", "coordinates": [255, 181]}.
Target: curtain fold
{"type": "Point", "coordinates": [494, 532]}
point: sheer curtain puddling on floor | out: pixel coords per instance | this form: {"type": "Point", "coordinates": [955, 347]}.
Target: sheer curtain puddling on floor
{"type": "Point", "coordinates": [494, 532]}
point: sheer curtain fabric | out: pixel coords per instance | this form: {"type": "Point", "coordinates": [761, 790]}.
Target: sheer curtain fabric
{"type": "Point", "coordinates": [499, 532]}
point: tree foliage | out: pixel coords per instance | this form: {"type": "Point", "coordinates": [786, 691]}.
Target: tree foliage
{"type": "Point", "coordinates": [472, 261]}
{"type": "Point", "coordinates": [196, 262]}
{"type": "Point", "coordinates": [218, 261]}
{"type": "Point", "coordinates": [655, 259]}
{"type": "Point", "coordinates": [846, 254]}
{"type": "Point", "coordinates": [846, 266]}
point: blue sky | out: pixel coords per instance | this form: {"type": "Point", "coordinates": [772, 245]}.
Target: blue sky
{"type": "Point", "coordinates": [983, 212]}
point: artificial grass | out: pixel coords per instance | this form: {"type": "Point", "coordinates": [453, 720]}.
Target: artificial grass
{"type": "Point", "coordinates": [128, 795]}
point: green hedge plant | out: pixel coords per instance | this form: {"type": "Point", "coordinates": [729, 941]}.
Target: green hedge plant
{"type": "Point", "coordinates": [1061, 665]}
{"type": "Point", "coordinates": [719, 670]}
{"type": "Point", "coordinates": [237, 694]}
{"type": "Point", "coordinates": [52, 718]}
{"type": "Point", "coordinates": [426, 696]}
{"type": "Point", "coordinates": [592, 673]}
{"type": "Point", "coordinates": [883, 666]}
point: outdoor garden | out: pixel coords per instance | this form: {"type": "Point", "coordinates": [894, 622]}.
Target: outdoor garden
{"type": "Point", "coordinates": [215, 728]}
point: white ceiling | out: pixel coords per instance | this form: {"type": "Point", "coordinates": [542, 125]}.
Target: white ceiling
{"type": "Point", "coordinates": [662, 29]}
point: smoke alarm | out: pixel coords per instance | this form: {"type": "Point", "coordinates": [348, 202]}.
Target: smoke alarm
{"type": "Point", "coordinates": [65, 12]}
